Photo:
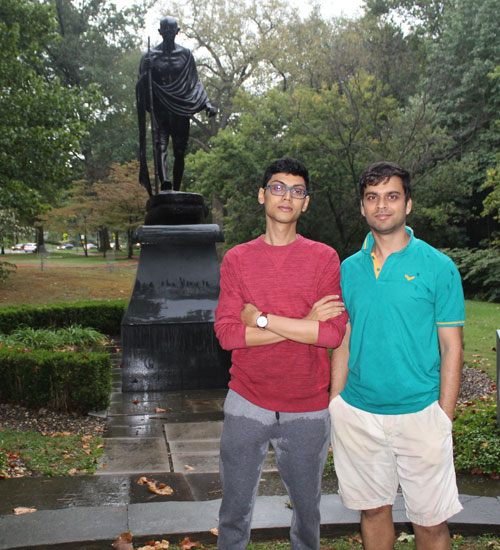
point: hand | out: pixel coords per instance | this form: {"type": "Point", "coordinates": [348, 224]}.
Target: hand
{"type": "Point", "coordinates": [325, 309]}
{"type": "Point", "coordinates": [210, 110]}
{"type": "Point", "coordinates": [249, 315]}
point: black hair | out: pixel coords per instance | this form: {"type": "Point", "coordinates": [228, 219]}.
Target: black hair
{"type": "Point", "coordinates": [382, 171]}
{"type": "Point", "coordinates": [286, 165]}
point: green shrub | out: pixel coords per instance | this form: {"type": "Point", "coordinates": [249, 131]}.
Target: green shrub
{"type": "Point", "coordinates": [104, 316]}
{"type": "Point", "coordinates": [476, 438]}
{"type": "Point", "coordinates": [6, 269]}
{"type": "Point", "coordinates": [480, 271]}
{"type": "Point", "coordinates": [56, 379]}
{"type": "Point", "coordinates": [44, 338]}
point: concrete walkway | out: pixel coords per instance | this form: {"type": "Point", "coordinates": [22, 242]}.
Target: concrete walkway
{"type": "Point", "coordinates": [172, 438]}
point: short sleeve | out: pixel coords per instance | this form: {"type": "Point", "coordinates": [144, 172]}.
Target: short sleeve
{"type": "Point", "coordinates": [449, 298]}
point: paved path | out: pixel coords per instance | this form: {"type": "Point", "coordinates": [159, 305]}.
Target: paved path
{"type": "Point", "coordinates": [171, 438]}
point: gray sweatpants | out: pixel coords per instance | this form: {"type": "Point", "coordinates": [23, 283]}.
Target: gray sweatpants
{"type": "Point", "coordinates": [300, 442]}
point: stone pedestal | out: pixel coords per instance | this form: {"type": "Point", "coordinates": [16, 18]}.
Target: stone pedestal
{"type": "Point", "coordinates": [168, 340]}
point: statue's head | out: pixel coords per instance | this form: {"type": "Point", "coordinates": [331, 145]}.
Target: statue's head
{"type": "Point", "coordinates": [168, 27]}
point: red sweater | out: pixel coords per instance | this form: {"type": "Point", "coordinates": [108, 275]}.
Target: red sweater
{"type": "Point", "coordinates": [286, 281]}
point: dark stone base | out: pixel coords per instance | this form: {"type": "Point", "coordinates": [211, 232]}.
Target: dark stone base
{"type": "Point", "coordinates": [182, 356]}
{"type": "Point", "coordinates": [175, 208]}
{"type": "Point", "coordinates": [168, 339]}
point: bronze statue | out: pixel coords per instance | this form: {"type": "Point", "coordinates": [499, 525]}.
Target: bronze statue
{"type": "Point", "coordinates": [170, 89]}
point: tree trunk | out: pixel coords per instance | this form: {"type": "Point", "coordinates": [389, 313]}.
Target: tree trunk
{"type": "Point", "coordinates": [40, 241]}
{"type": "Point", "coordinates": [84, 244]}
{"type": "Point", "coordinates": [130, 243]}
{"type": "Point", "coordinates": [104, 240]}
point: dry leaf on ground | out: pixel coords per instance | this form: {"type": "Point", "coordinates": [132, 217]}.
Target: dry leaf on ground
{"type": "Point", "coordinates": [156, 545]}
{"type": "Point", "coordinates": [190, 468]}
{"type": "Point", "coordinates": [186, 544]}
{"type": "Point", "coordinates": [23, 510]}
{"type": "Point", "coordinates": [123, 542]}
{"type": "Point", "coordinates": [155, 487]}
{"type": "Point", "coordinates": [214, 531]}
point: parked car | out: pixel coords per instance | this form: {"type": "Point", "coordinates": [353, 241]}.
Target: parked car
{"type": "Point", "coordinates": [19, 247]}
{"type": "Point", "coordinates": [91, 246]}
{"type": "Point", "coordinates": [67, 246]}
{"type": "Point", "coordinates": [30, 247]}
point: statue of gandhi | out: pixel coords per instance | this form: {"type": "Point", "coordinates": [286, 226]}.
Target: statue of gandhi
{"type": "Point", "coordinates": [168, 80]}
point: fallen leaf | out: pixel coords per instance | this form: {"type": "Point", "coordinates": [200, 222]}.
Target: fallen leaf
{"type": "Point", "coordinates": [158, 410]}
{"type": "Point", "coordinates": [22, 510]}
{"type": "Point", "coordinates": [135, 402]}
{"type": "Point", "coordinates": [123, 542]}
{"type": "Point", "coordinates": [186, 544]}
{"type": "Point", "coordinates": [190, 468]}
{"type": "Point", "coordinates": [356, 539]}
{"type": "Point", "coordinates": [155, 487]}
{"type": "Point", "coordinates": [404, 537]}
{"type": "Point", "coordinates": [214, 531]}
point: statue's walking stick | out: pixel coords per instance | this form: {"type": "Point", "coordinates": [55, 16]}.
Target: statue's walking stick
{"type": "Point", "coordinates": [154, 127]}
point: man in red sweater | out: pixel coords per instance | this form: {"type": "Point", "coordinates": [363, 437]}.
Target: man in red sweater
{"type": "Point", "coordinates": [278, 312]}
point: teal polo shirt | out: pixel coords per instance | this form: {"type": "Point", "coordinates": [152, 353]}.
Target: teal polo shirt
{"type": "Point", "coordinates": [394, 362]}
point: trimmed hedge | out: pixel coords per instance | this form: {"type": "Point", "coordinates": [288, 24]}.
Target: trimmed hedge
{"type": "Point", "coordinates": [104, 316]}
{"type": "Point", "coordinates": [60, 380]}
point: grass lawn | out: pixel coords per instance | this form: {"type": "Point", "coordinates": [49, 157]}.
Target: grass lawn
{"type": "Point", "coordinates": [482, 322]}
{"type": "Point", "coordinates": [52, 455]}
{"type": "Point", "coordinates": [67, 277]}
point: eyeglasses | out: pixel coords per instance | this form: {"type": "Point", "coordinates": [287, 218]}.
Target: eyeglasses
{"type": "Point", "coordinates": [280, 189]}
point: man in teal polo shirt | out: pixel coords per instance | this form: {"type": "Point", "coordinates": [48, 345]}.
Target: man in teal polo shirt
{"type": "Point", "coordinates": [396, 376]}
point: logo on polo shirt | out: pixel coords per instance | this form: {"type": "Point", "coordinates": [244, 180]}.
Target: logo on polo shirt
{"type": "Point", "coordinates": [408, 278]}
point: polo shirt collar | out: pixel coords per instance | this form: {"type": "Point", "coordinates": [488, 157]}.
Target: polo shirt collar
{"type": "Point", "coordinates": [369, 241]}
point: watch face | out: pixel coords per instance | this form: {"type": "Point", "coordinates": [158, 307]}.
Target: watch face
{"type": "Point", "coordinates": [262, 321]}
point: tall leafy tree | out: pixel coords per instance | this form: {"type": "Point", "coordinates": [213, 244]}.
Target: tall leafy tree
{"type": "Point", "coordinates": [99, 45]}
{"type": "Point", "coordinates": [42, 123]}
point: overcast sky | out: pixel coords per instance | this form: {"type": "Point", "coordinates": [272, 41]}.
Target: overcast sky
{"type": "Point", "coordinates": [329, 8]}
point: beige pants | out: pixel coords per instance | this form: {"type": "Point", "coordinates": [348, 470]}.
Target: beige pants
{"type": "Point", "coordinates": [374, 453]}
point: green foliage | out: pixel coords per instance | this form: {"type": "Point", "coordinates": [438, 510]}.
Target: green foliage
{"type": "Point", "coordinates": [103, 316]}
{"type": "Point", "coordinates": [6, 268]}
{"type": "Point", "coordinates": [480, 271]}
{"type": "Point", "coordinates": [97, 46]}
{"type": "Point", "coordinates": [41, 121]}
{"type": "Point", "coordinates": [477, 439]}
{"type": "Point", "coordinates": [55, 379]}
{"type": "Point", "coordinates": [58, 455]}
{"type": "Point", "coordinates": [72, 336]}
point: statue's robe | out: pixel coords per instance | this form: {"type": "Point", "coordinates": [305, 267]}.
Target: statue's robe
{"type": "Point", "coordinates": [175, 87]}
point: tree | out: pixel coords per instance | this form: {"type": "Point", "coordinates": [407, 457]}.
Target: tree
{"type": "Point", "coordinates": [467, 99]}
{"type": "Point", "coordinates": [117, 203]}
{"type": "Point", "coordinates": [99, 46]}
{"type": "Point", "coordinates": [42, 123]}
{"type": "Point", "coordinates": [120, 201]}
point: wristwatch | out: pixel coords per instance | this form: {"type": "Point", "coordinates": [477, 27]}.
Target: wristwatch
{"type": "Point", "coordinates": [262, 320]}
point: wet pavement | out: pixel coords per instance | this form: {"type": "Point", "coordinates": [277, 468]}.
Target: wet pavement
{"type": "Point", "coordinates": [172, 438]}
